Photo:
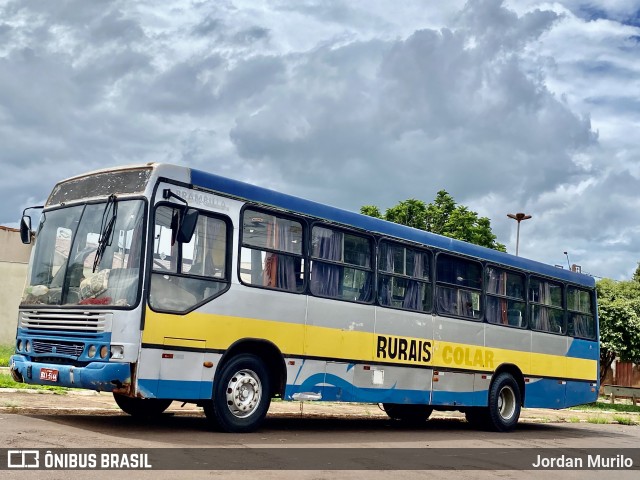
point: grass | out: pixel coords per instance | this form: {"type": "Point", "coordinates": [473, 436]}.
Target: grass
{"type": "Point", "coordinates": [623, 420]}
{"type": "Point", "coordinates": [604, 406]}
{"type": "Point", "coordinates": [5, 352]}
{"type": "Point", "coordinates": [598, 420]}
{"type": "Point", "coordinates": [7, 382]}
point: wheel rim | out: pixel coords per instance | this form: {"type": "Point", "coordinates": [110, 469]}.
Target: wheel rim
{"type": "Point", "coordinates": [244, 391]}
{"type": "Point", "coordinates": [507, 403]}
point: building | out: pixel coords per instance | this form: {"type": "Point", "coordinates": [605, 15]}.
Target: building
{"type": "Point", "coordinates": [14, 256]}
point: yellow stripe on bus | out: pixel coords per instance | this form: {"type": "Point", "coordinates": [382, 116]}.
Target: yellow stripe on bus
{"type": "Point", "coordinates": [221, 331]}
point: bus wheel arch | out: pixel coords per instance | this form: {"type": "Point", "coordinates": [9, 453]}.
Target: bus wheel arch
{"type": "Point", "coordinates": [265, 350]}
{"type": "Point", "coordinates": [247, 377]}
{"type": "Point", "coordinates": [517, 375]}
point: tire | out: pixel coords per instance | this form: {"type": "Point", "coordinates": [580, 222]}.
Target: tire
{"type": "Point", "coordinates": [407, 413]}
{"type": "Point", "coordinates": [504, 403]}
{"type": "Point", "coordinates": [478, 417]}
{"type": "Point", "coordinates": [241, 395]}
{"type": "Point", "coordinates": [142, 407]}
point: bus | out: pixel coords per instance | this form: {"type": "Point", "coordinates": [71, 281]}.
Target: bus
{"type": "Point", "coordinates": [160, 283]}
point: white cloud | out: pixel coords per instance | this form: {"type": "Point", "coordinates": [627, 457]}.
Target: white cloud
{"type": "Point", "coordinates": [519, 106]}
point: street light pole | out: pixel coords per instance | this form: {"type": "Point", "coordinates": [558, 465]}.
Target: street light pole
{"type": "Point", "coordinates": [518, 217]}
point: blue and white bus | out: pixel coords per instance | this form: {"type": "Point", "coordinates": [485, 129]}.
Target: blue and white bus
{"type": "Point", "coordinates": [159, 283]}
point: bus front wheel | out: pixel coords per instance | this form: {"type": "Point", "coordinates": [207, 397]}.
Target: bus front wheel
{"type": "Point", "coordinates": [141, 407]}
{"type": "Point", "coordinates": [241, 395]}
{"type": "Point", "coordinates": [407, 413]}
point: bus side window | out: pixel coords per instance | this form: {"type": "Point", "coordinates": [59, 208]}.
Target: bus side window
{"type": "Point", "coordinates": [547, 313]}
{"type": "Point", "coordinates": [272, 251]}
{"type": "Point", "coordinates": [581, 321]}
{"type": "Point", "coordinates": [404, 277]}
{"type": "Point", "coordinates": [341, 265]}
{"type": "Point", "coordinates": [458, 286]}
{"type": "Point", "coordinates": [505, 297]}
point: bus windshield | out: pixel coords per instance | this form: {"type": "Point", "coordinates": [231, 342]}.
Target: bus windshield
{"type": "Point", "coordinates": [65, 270]}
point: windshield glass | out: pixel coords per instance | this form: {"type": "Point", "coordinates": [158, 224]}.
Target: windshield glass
{"type": "Point", "coordinates": [63, 271]}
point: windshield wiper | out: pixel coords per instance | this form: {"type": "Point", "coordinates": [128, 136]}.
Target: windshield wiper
{"type": "Point", "coordinates": [109, 216]}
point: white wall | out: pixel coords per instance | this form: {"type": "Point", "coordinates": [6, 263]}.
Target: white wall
{"type": "Point", "coordinates": [13, 273]}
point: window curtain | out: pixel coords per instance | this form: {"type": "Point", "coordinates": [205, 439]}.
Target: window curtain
{"type": "Point", "coordinates": [279, 270]}
{"type": "Point", "coordinates": [386, 287]}
{"type": "Point", "coordinates": [497, 307]}
{"type": "Point", "coordinates": [412, 298]}
{"type": "Point", "coordinates": [206, 240]}
{"type": "Point", "coordinates": [541, 313]}
{"type": "Point", "coordinates": [325, 278]}
{"type": "Point", "coordinates": [465, 303]}
{"type": "Point", "coordinates": [447, 300]}
{"type": "Point", "coordinates": [286, 270]}
{"type": "Point", "coordinates": [579, 325]}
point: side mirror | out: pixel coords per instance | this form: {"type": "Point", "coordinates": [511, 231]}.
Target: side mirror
{"type": "Point", "coordinates": [188, 225]}
{"type": "Point", "coordinates": [25, 229]}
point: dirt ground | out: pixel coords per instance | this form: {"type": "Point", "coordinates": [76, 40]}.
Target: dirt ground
{"type": "Point", "coordinates": [43, 402]}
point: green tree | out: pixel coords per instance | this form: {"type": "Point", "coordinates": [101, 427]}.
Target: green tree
{"type": "Point", "coordinates": [412, 213]}
{"type": "Point", "coordinates": [636, 274]}
{"type": "Point", "coordinates": [619, 314]}
{"type": "Point", "coordinates": [371, 210]}
{"type": "Point", "coordinates": [442, 216]}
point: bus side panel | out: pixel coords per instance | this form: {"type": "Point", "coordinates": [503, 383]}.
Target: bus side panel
{"type": "Point", "coordinates": [452, 385]}
{"type": "Point", "coordinates": [582, 362]}
{"type": "Point", "coordinates": [548, 359]}
{"type": "Point", "coordinates": [337, 330]}
{"type": "Point", "coordinates": [411, 384]}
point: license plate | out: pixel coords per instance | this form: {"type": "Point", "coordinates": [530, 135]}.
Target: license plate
{"type": "Point", "coordinates": [49, 374]}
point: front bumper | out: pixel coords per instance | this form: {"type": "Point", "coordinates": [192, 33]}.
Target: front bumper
{"type": "Point", "coordinates": [99, 376]}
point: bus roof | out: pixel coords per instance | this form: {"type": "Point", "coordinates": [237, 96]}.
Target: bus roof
{"type": "Point", "coordinates": [291, 203]}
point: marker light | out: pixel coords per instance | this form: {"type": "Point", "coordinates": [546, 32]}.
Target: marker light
{"type": "Point", "coordinates": [104, 351]}
{"type": "Point", "coordinates": [117, 351]}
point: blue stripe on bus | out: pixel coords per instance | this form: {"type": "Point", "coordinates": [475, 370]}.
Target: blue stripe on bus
{"type": "Point", "coordinates": [587, 349]}
{"type": "Point", "coordinates": [265, 196]}
{"type": "Point", "coordinates": [175, 389]}
{"type": "Point", "coordinates": [579, 393]}
{"type": "Point", "coordinates": [544, 393]}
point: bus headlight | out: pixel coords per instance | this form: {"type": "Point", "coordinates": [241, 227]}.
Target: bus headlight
{"type": "Point", "coordinates": [117, 351]}
{"type": "Point", "coordinates": [104, 351]}
{"type": "Point", "coordinates": [19, 346]}
{"type": "Point", "coordinates": [28, 347]}
{"type": "Point", "coordinates": [92, 351]}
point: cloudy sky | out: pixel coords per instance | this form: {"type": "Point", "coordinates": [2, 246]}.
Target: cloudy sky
{"type": "Point", "coordinates": [511, 106]}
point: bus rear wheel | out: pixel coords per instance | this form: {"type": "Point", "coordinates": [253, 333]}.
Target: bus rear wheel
{"type": "Point", "coordinates": [407, 413]}
{"type": "Point", "coordinates": [241, 395]}
{"type": "Point", "coordinates": [142, 407]}
{"type": "Point", "coordinates": [503, 411]}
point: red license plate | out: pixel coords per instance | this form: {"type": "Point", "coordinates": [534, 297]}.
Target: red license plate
{"type": "Point", "coordinates": [49, 374]}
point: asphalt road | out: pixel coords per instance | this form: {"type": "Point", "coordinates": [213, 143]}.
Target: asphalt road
{"type": "Point", "coordinates": [367, 432]}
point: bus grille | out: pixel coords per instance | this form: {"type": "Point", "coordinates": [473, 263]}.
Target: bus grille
{"type": "Point", "coordinates": [72, 349]}
{"type": "Point", "coordinates": [65, 321]}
